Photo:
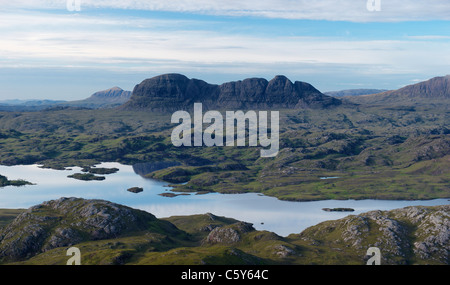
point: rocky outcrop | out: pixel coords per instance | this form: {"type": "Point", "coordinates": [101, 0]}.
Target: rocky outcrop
{"type": "Point", "coordinates": [404, 236]}
{"type": "Point", "coordinates": [172, 92]}
{"type": "Point", "coordinates": [411, 235]}
{"type": "Point", "coordinates": [68, 221]}
{"type": "Point", "coordinates": [228, 234]}
{"type": "Point", "coordinates": [283, 251]}
{"type": "Point", "coordinates": [432, 234]}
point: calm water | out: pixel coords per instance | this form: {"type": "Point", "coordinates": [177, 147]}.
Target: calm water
{"type": "Point", "coordinates": [266, 213]}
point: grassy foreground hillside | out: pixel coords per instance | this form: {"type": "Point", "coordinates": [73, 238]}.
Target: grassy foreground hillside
{"type": "Point", "coordinates": [108, 233]}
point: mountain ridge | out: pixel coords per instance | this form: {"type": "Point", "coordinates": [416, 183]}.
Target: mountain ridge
{"type": "Point", "coordinates": [172, 92]}
{"type": "Point", "coordinates": [434, 90]}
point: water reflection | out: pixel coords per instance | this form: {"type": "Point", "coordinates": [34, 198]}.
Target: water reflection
{"type": "Point", "coordinates": [147, 167]}
{"type": "Point", "coordinates": [266, 213]}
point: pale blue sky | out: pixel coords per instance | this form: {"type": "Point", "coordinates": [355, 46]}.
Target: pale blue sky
{"type": "Point", "coordinates": [48, 52]}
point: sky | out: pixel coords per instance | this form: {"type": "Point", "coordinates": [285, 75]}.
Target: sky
{"type": "Point", "coordinates": [69, 49]}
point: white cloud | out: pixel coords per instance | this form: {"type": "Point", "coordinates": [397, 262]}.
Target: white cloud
{"type": "Point", "coordinates": [33, 39]}
{"type": "Point", "coordinates": [429, 37]}
{"type": "Point", "coordinates": [335, 10]}
{"type": "Point", "coordinates": [81, 40]}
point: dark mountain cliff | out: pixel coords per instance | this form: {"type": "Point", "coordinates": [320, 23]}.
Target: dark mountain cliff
{"type": "Point", "coordinates": [172, 92]}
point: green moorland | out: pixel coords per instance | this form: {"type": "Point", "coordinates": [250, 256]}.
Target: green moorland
{"type": "Point", "coordinates": [376, 152]}
{"type": "Point", "coordinates": [7, 215]}
{"type": "Point", "coordinates": [40, 236]}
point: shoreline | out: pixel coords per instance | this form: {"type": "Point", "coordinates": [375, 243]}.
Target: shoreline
{"type": "Point", "coordinates": [174, 186]}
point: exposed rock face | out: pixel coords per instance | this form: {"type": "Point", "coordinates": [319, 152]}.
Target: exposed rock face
{"type": "Point", "coordinates": [172, 92]}
{"type": "Point", "coordinates": [68, 221]}
{"type": "Point", "coordinates": [393, 234]}
{"type": "Point", "coordinates": [228, 234]}
{"type": "Point", "coordinates": [411, 235]}
{"type": "Point", "coordinates": [404, 236]}
{"type": "Point", "coordinates": [433, 231]}
{"type": "Point", "coordinates": [283, 251]}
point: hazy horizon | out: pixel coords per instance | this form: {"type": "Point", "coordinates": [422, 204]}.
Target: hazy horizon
{"type": "Point", "coordinates": [48, 51]}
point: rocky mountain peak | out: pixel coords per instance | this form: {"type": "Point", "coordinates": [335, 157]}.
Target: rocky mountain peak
{"type": "Point", "coordinates": [163, 86]}
{"type": "Point", "coordinates": [113, 92]}
{"type": "Point", "coordinates": [172, 92]}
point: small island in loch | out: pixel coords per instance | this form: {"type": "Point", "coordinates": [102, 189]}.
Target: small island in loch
{"type": "Point", "coordinates": [135, 189]}
{"type": "Point", "coordinates": [5, 182]}
{"type": "Point", "coordinates": [338, 209]}
{"type": "Point", "coordinates": [86, 176]}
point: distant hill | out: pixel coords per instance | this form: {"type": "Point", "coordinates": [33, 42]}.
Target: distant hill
{"type": "Point", "coordinates": [354, 92]}
{"type": "Point", "coordinates": [17, 102]}
{"type": "Point", "coordinates": [108, 98]}
{"type": "Point", "coordinates": [172, 92]}
{"type": "Point", "coordinates": [434, 91]}
{"type": "Point", "coordinates": [27, 105]}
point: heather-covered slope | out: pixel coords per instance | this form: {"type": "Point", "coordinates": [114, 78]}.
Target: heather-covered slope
{"type": "Point", "coordinates": [68, 221]}
{"type": "Point", "coordinates": [107, 233]}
